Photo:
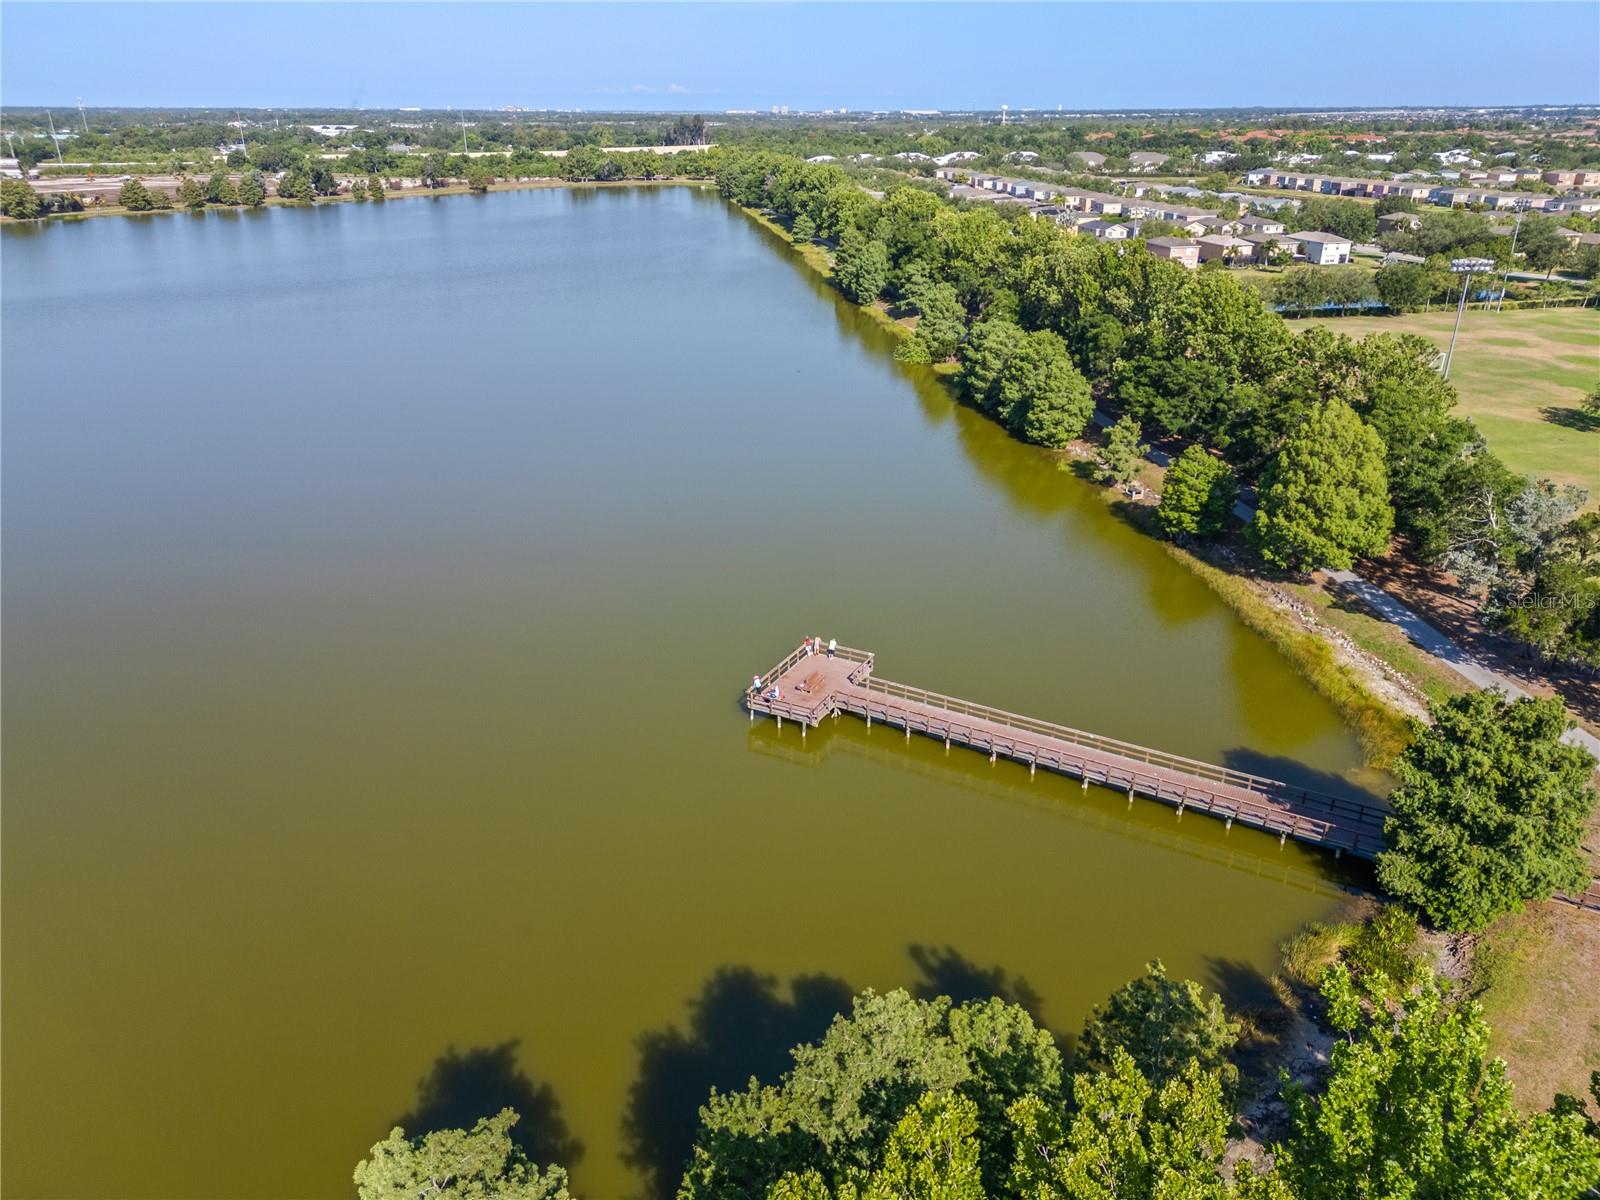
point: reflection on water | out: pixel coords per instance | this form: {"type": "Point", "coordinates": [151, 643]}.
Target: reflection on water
{"type": "Point", "coordinates": [380, 581]}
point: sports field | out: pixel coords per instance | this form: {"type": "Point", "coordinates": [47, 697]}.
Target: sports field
{"type": "Point", "coordinates": [1521, 376]}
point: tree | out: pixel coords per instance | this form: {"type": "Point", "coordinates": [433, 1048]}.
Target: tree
{"type": "Point", "coordinates": [1590, 405]}
{"type": "Point", "coordinates": [296, 185]}
{"type": "Point", "coordinates": [1197, 496]}
{"type": "Point", "coordinates": [1490, 811]}
{"type": "Point", "coordinates": [1042, 396]}
{"type": "Point", "coordinates": [860, 266]}
{"type": "Point", "coordinates": [220, 189]}
{"type": "Point", "coordinates": [455, 1164]}
{"type": "Point", "coordinates": [374, 187]}
{"type": "Point", "coordinates": [1541, 243]}
{"type": "Point", "coordinates": [940, 323]}
{"type": "Point", "coordinates": [135, 197]}
{"type": "Point", "coordinates": [1302, 289]}
{"type": "Point", "coordinates": [189, 194]}
{"type": "Point", "coordinates": [932, 1153]}
{"type": "Point", "coordinates": [1347, 218]}
{"type": "Point", "coordinates": [1412, 1109]}
{"type": "Point", "coordinates": [1349, 285]}
{"type": "Point", "coordinates": [1404, 286]}
{"type": "Point", "coordinates": [358, 190]}
{"type": "Point", "coordinates": [1180, 396]}
{"type": "Point", "coordinates": [479, 176]}
{"type": "Point", "coordinates": [1394, 204]}
{"type": "Point", "coordinates": [1163, 1025]}
{"type": "Point", "coordinates": [1324, 498]}
{"type": "Point", "coordinates": [18, 200]}
{"type": "Point", "coordinates": [989, 346]}
{"type": "Point", "coordinates": [253, 189]}
{"type": "Point", "coordinates": [1123, 1138]}
{"type": "Point", "coordinates": [1122, 455]}
{"type": "Point", "coordinates": [323, 180]}
{"type": "Point", "coordinates": [834, 1111]}
{"type": "Point", "coordinates": [433, 170]}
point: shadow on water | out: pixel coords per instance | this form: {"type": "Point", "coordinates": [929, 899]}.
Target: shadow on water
{"type": "Point", "coordinates": [947, 972]}
{"type": "Point", "coordinates": [1203, 839]}
{"type": "Point", "coordinates": [1243, 988]}
{"type": "Point", "coordinates": [740, 1026]}
{"type": "Point", "coordinates": [1293, 771]}
{"type": "Point", "coordinates": [464, 1086]}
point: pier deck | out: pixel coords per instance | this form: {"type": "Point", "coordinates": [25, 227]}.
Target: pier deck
{"type": "Point", "coordinates": [811, 687]}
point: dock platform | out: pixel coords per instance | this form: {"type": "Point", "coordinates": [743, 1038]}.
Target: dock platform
{"type": "Point", "coordinates": [805, 688]}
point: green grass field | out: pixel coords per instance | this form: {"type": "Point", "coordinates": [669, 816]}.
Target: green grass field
{"type": "Point", "coordinates": [1521, 376]}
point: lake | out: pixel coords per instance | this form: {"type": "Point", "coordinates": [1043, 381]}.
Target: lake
{"type": "Point", "coordinates": [381, 583]}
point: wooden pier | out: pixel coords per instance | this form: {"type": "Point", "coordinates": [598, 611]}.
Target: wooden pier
{"type": "Point", "coordinates": [805, 688]}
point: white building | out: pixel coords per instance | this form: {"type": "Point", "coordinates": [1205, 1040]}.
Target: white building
{"type": "Point", "coordinates": [1324, 249]}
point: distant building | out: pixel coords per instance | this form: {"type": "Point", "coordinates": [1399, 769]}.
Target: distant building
{"type": "Point", "coordinates": [1181, 250]}
{"type": "Point", "coordinates": [1572, 178]}
{"type": "Point", "coordinates": [1220, 246]}
{"type": "Point", "coordinates": [1089, 159]}
{"type": "Point", "coordinates": [1105, 231]}
{"type": "Point", "coordinates": [1254, 224]}
{"type": "Point", "coordinates": [1268, 244]}
{"type": "Point", "coordinates": [1324, 249]}
{"type": "Point", "coordinates": [1398, 220]}
{"type": "Point", "coordinates": [1145, 160]}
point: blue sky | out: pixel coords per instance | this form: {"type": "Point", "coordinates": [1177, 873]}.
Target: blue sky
{"type": "Point", "coordinates": [710, 57]}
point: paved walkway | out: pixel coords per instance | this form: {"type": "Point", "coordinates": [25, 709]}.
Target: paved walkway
{"type": "Point", "coordinates": [1460, 660]}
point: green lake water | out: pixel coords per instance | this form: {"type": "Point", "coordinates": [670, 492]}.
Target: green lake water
{"type": "Point", "coordinates": [380, 584]}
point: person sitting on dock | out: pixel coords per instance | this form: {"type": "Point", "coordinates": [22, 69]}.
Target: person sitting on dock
{"type": "Point", "coordinates": [810, 648]}
{"type": "Point", "coordinates": [775, 693]}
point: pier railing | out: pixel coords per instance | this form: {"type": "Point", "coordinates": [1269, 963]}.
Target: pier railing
{"type": "Point", "coordinates": [1129, 750]}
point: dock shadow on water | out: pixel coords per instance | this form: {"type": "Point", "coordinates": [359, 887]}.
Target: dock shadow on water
{"type": "Point", "coordinates": [741, 1025]}
{"type": "Point", "coordinates": [464, 1086]}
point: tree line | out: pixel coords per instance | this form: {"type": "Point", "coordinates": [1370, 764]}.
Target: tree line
{"type": "Point", "coordinates": [1349, 441]}
{"type": "Point", "coordinates": [907, 1098]}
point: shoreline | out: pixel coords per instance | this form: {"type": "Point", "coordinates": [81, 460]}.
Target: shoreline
{"type": "Point", "coordinates": [514, 185]}
{"type": "Point", "coordinates": [1354, 687]}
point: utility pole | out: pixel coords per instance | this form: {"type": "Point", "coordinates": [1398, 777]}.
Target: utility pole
{"type": "Point", "coordinates": [1466, 268]}
{"type": "Point", "coordinates": [1505, 282]}
{"type": "Point", "coordinates": [463, 134]}
{"type": "Point", "coordinates": [54, 140]}
{"type": "Point", "coordinates": [81, 117]}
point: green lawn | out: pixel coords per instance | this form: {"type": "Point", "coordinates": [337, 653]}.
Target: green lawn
{"type": "Point", "coordinates": [1521, 376]}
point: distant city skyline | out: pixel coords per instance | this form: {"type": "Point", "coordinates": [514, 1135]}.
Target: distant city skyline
{"type": "Point", "coordinates": [715, 57]}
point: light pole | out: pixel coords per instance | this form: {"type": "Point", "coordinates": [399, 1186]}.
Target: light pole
{"type": "Point", "coordinates": [1506, 281]}
{"type": "Point", "coordinates": [1466, 268]}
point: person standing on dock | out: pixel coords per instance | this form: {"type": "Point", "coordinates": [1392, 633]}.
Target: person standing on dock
{"type": "Point", "coordinates": [755, 683]}
{"type": "Point", "coordinates": [833, 645]}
